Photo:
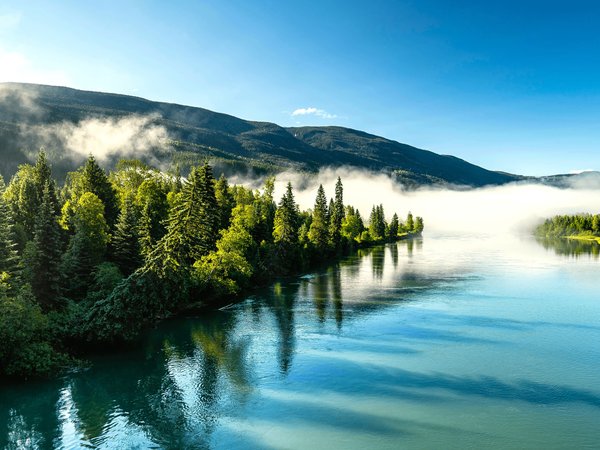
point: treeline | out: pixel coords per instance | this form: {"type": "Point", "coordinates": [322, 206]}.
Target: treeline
{"type": "Point", "coordinates": [102, 257]}
{"type": "Point", "coordinates": [574, 225]}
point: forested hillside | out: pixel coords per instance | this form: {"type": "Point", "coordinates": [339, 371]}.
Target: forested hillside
{"type": "Point", "coordinates": [58, 118]}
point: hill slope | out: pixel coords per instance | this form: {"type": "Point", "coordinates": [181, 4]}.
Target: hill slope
{"type": "Point", "coordinates": [36, 115]}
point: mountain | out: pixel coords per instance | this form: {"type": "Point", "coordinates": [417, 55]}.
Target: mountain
{"type": "Point", "coordinates": [32, 116]}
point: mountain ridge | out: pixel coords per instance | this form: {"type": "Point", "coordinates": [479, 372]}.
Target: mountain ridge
{"type": "Point", "coordinates": [233, 144]}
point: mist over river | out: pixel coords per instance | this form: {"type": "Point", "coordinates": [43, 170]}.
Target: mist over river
{"type": "Point", "coordinates": [445, 342]}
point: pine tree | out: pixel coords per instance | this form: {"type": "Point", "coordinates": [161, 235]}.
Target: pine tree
{"type": "Point", "coordinates": [126, 239]}
{"type": "Point", "coordinates": [410, 223]}
{"type": "Point", "coordinates": [192, 226]}
{"type": "Point", "coordinates": [43, 178]}
{"type": "Point", "coordinates": [95, 181]}
{"type": "Point", "coordinates": [318, 233]}
{"type": "Point", "coordinates": [285, 223]}
{"type": "Point", "coordinates": [336, 213]}
{"type": "Point", "coordinates": [46, 253]}
{"type": "Point", "coordinates": [377, 223]}
{"type": "Point", "coordinates": [225, 201]}
{"type": "Point", "coordinates": [393, 228]}
{"type": "Point", "coordinates": [8, 253]}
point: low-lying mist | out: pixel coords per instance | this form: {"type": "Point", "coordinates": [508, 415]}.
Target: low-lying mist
{"type": "Point", "coordinates": [509, 209]}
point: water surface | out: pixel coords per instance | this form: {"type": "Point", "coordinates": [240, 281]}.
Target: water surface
{"type": "Point", "coordinates": [449, 342]}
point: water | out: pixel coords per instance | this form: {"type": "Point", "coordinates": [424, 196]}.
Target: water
{"type": "Point", "coordinates": [451, 342]}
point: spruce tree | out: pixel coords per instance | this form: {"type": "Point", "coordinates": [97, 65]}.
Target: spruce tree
{"type": "Point", "coordinates": [95, 181]}
{"type": "Point", "coordinates": [393, 228]}
{"type": "Point", "coordinates": [46, 253]}
{"type": "Point", "coordinates": [336, 213]}
{"type": "Point", "coordinates": [8, 253]}
{"type": "Point", "coordinates": [126, 239]}
{"type": "Point", "coordinates": [318, 233]}
{"type": "Point", "coordinates": [192, 226]}
{"type": "Point", "coordinates": [225, 201]}
{"type": "Point", "coordinates": [410, 223]}
{"type": "Point", "coordinates": [285, 224]}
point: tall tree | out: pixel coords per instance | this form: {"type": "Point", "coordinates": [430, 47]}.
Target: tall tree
{"type": "Point", "coordinates": [46, 250]}
{"type": "Point", "coordinates": [87, 247]}
{"type": "Point", "coordinates": [318, 233]}
{"type": "Point", "coordinates": [377, 223]}
{"type": "Point", "coordinates": [126, 239]}
{"type": "Point", "coordinates": [225, 201]}
{"type": "Point", "coordinates": [96, 181]}
{"type": "Point", "coordinates": [393, 228]}
{"type": "Point", "coordinates": [8, 253]}
{"type": "Point", "coordinates": [192, 226]}
{"type": "Point", "coordinates": [285, 224]}
{"type": "Point", "coordinates": [410, 223]}
{"type": "Point", "coordinates": [336, 214]}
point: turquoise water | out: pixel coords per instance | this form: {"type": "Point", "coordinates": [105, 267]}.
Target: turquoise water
{"type": "Point", "coordinates": [449, 342]}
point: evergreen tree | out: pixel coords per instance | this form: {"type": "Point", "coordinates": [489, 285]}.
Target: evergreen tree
{"type": "Point", "coordinates": [410, 223]}
{"type": "Point", "coordinates": [43, 178]}
{"type": "Point", "coordinates": [44, 264]}
{"type": "Point", "coordinates": [352, 225]}
{"type": "Point", "coordinates": [225, 201]}
{"type": "Point", "coordinates": [8, 253]}
{"type": "Point", "coordinates": [393, 228]}
{"type": "Point", "coordinates": [95, 181]}
{"type": "Point", "coordinates": [596, 224]}
{"type": "Point", "coordinates": [377, 223]}
{"type": "Point", "coordinates": [285, 223]}
{"type": "Point", "coordinates": [192, 226]}
{"type": "Point", "coordinates": [265, 208]}
{"type": "Point", "coordinates": [336, 213]}
{"type": "Point", "coordinates": [87, 247]}
{"type": "Point", "coordinates": [418, 228]}
{"type": "Point", "coordinates": [318, 233]}
{"type": "Point", "coordinates": [126, 239]}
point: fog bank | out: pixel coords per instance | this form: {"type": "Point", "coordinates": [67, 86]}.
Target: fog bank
{"type": "Point", "coordinates": [512, 208]}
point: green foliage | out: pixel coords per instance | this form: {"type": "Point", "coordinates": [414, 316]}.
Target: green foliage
{"type": "Point", "coordinates": [565, 225]}
{"type": "Point", "coordinates": [126, 239]}
{"type": "Point", "coordinates": [225, 201]}
{"type": "Point", "coordinates": [318, 233]}
{"type": "Point", "coordinates": [352, 224]}
{"type": "Point", "coordinates": [418, 227]}
{"type": "Point", "coordinates": [409, 225]}
{"type": "Point", "coordinates": [8, 254]}
{"type": "Point", "coordinates": [377, 224]}
{"type": "Point", "coordinates": [393, 228]}
{"type": "Point", "coordinates": [192, 227]}
{"type": "Point", "coordinates": [337, 213]}
{"type": "Point", "coordinates": [26, 349]}
{"type": "Point", "coordinates": [44, 255]}
{"type": "Point", "coordinates": [285, 231]}
{"type": "Point", "coordinates": [87, 247]}
{"type": "Point", "coordinates": [174, 244]}
{"type": "Point", "coordinates": [95, 180]}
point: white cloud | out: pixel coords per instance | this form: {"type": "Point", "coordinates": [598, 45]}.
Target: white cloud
{"type": "Point", "coordinates": [312, 111]}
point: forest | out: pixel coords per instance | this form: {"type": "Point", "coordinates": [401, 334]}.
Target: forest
{"type": "Point", "coordinates": [92, 263]}
{"type": "Point", "coordinates": [579, 225]}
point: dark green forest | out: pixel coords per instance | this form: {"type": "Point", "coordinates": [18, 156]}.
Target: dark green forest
{"type": "Point", "coordinates": [92, 262]}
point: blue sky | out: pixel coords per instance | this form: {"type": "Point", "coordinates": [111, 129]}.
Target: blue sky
{"type": "Point", "coordinates": [509, 85]}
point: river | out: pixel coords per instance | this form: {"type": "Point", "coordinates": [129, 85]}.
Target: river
{"type": "Point", "coordinates": [447, 342]}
